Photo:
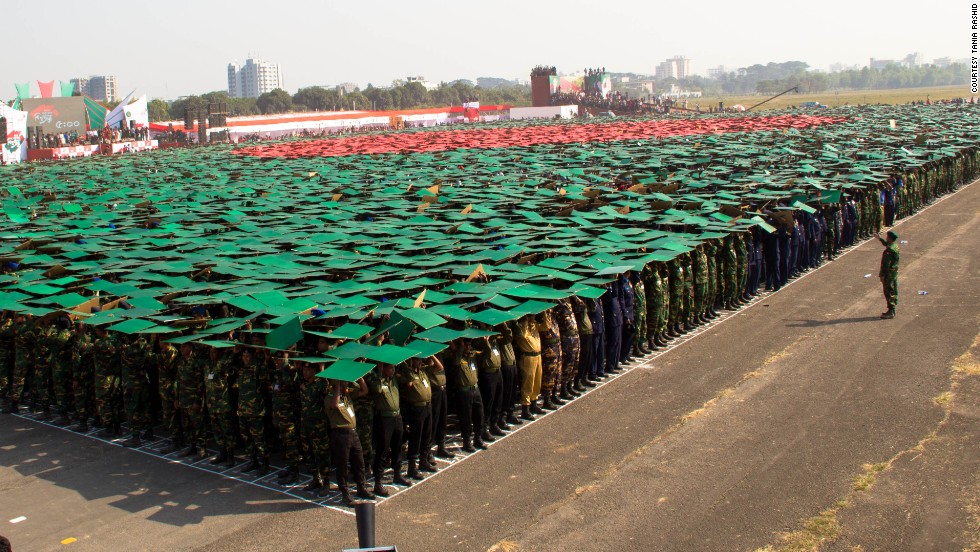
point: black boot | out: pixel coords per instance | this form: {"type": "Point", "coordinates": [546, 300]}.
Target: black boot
{"type": "Point", "coordinates": [556, 397]}
{"type": "Point", "coordinates": [441, 452]}
{"type": "Point", "coordinates": [572, 388]}
{"type": "Point", "coordinates": [537, 410]}
{"type": "Point", "coordinates": [45, 414]}
{"type": "Point", "coordinates": [586, 384]}
{"type": "Point", "coordinates": [81, 426]}
{"type": "Point", "coordinates": [63, 420]}
{"type": "Point", "coordinates": [263, 467]}
{"type": "Point", "coordinates": [222, 456]}
{"type": "Point", "coordinates": [485, 436]}
{"type": "Point", "coordinates": [563, 393]}
{"type": "Point", "coordinates": [190, 451]}
{"type": "Point", "coordinates": [478, 443]}
{"type": "Point", "coordinates": [526, 413]}
{"type": "Point", "coordinates": [133, 442]}
{"type": "Point", "coordinates": [578, 386]}
{"type": "Point", "coordinates": [427, 466]}
{"type": "Point", "coordinates": [399, 480]}
{"type": "Point", "coordinates": [292, 476]}
{"type": "Point", "coordinates": [379, 488]}
{"type": "Point", "coordinates": [514, 420]}
{"type": "Point", "coordinates": [495, 428]}
{"type": "Point", "coordinates": [315, 484]}
{"type": "Point", "coordinates": [173, 447]}
{"type": "Point", "coordinates": [413, 470]}
{"type": "Point", "coordinates": [147, 435]}
{"type": "Point", "coordinates": [344, 496]}
{"type": "Point", "coordinates": [362, 492]}
{"type": "Point", "coordinates": [888, 314]}
{"type": "Point", "coordinates": [547, 403]}
{"type": "Point", "coordinates": [252, 465]}
{"type": "Point", "coordinates": [12, 408]}
{"type": "Point", "coordinates": [202, 452]}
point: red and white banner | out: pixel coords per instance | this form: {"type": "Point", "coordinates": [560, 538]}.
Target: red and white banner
{"type": "Point", "coordinates": [130, 147]}
{"type": "Point", "coordinates": [70, 152]}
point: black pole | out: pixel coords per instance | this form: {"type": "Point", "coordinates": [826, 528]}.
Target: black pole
{"type": "Point", "coordinates": [365, 524]}
{"type": "Point", "coordinates": [797, 88]}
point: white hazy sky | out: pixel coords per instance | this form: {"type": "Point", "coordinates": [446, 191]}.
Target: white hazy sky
{"type": "Point", "coordinates": [152, 48]}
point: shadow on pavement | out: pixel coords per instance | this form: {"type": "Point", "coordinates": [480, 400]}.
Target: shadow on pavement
{"type": "Point", "coordinates": [821, 323]}
{"type": "Point", "coordinates": [127, 480]}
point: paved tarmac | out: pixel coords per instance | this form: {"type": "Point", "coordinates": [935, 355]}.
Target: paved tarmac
{"type": "Point", "coordinates": [722, 443]}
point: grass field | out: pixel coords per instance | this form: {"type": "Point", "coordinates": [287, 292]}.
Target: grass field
{"type": "Point", "coordinates": [832, 99]}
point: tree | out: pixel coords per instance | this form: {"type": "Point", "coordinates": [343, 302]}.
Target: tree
{"type": "Point", "coordinates": [277, 101]}
{"type": "Point", "coordinates": [316, 98]}
{"type": "Point", "coordinates": [159, 110]}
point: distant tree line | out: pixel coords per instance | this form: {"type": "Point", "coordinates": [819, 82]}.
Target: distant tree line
{"type": "Point", "coordinates": [412, 95]}
{"type": "Point", "coordinates": [773, 78]}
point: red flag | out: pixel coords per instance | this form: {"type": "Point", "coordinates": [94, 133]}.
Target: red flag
{"type": "Point", "coordinates": [47, 88]}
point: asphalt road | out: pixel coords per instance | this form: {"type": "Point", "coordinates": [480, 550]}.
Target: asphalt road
{"type": "Point", "coordinates": [722, 443]}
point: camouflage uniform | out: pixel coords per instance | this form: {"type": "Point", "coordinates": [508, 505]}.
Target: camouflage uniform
{"type": "Point", "coordinates": [741, 265]}
{"type": "Point", "coordinates": [364, 411]}
{"type": "Point", "coordinates": [61, 370]}
{"type": "Point", "coordinates": [677, 314]}
{"type": "Point", "coordinates": [105, 354]}
{"type": "Point", "coordinates": [167, 365]}
{"type": "Point", "coordinates": [570, 344]}
{"type": "Point", "coordinates": [700, 268]}
{"type": "Point", "coordinates": [711, 255]}
{"type": "Point", "coordinates": [729, 272]}
{"type": "Point", "coordinates": [315, 426]}
{"type": "Point", "coordinates": [6, 357]}
{"type": "Point", "coordinates": [83, 371]}
{"type": "Point", "coordinates": [655, 300]}
{"type": "Point", "coordinates": [43, 348]}
{"type": "Point", "coordinates": [550, 352]}
{"type": "Point", "coordinates": [190, 398]}
{"type": "Point", "coordinates": [133, 359]}
{"type": "Point", "coordinates": [286, 408]}
{"type": "Point", "coordinates": [25, 337]}
{"type": "Point", "coordinates": [664, 298]}
{"type": "Point", "coordinates": [640, 300]}
{"type": "Point", "coordinates": [218, 377]}
{"type": "Point", "coordinates": [253, 385]}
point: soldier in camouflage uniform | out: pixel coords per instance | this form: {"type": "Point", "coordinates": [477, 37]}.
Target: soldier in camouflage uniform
{"type": "Point", "coordinates": [108, 391]}
{"type": "Point", "coordinates": [687, 300]}
{"type": "Point", "coordinates": [654, 287]}
{"type": "Point", "coordinates": [190, 400]}
{"type": "Point", "coordinates": [663, 324]}
{"type": "Point", "coordinates": [286, 407]}
{"type": "Point", "coordinates": [571, 347]}
{"type": "Point", "coordinates": [315, 427]}
{"type": "Point", "coordinates": [25, 336]}
{"type": "Point", "coordinates": [253, 388]}
{"type": "Point", "coordinates": [6, 355]}
{"type": "Point", "coordinates": [550, 359]}
{"type": "Point", "coordinates": [741, 268]}
{"type": "Point", "coordinates": [46, 339]}
{"type": "Point", "coordinates": [134, 356]}
{"type": "Point", "coordinates": [729, 273]}
{"type": "Point", "coordinates": [219, 377]}
{"type": "Point", "coordinates": [62, 373]}
{"type": "Point", "coordinates": [676, 283]}
{"type": "Point", "coordinates": [711, 300]}
{"type": "Point", "coordinates": [166, 359]}
{"type": "Point", "coordinates": [700, 268]}
{"type": "Point", "coordinates": [83, 371]}
{"type": "Point", "coordinates": [640, 305]}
